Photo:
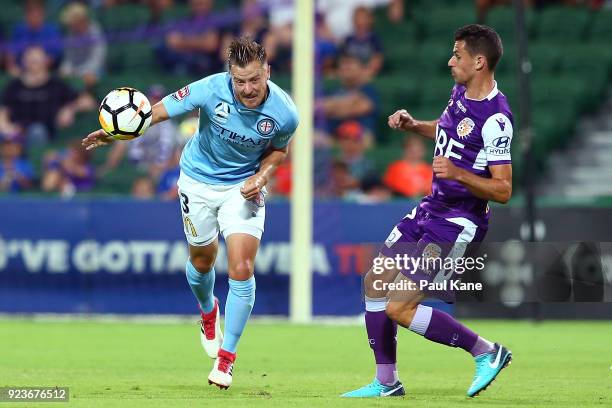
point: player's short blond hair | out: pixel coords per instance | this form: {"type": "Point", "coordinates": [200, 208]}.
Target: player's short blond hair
{"type": "Point", "coordinates": [244, 50]}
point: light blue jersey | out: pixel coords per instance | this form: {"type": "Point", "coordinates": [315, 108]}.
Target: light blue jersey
{"type": "Point", "coordinates": [231, 138]}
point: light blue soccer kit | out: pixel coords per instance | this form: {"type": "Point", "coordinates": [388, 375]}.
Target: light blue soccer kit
{"type": "Point", "coordinates": [226, 149]}
{"type": "Point", "coordinates": [231, 138]}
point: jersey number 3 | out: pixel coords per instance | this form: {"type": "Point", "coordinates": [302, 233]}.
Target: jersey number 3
{"type": "Point", "coordinates": [185, 203]}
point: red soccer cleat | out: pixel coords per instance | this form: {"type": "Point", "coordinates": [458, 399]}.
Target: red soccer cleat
{"type": "Point", "coordinates": [211, 336]}
{"type": "Point", "coordinates": [221, 374]}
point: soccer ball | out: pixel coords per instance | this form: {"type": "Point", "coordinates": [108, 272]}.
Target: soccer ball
{"type": "Point", "coordinates": [125, 113]}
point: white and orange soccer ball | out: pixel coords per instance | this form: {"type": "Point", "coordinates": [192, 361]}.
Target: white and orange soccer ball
{"type": "Point", "coordinates": [125, 113]}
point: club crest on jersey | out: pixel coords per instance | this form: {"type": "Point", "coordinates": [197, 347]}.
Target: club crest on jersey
{"type": "Point", "coordinates": [265, 126]}
{"type": "Point", "coordinates": [432, 251]}
{"type": "Point", "coordinates": [181, 93]}
{"type": "Point", "coordinates": [222, 111]}
{"type": "Point", "coordinates": [465, 127]}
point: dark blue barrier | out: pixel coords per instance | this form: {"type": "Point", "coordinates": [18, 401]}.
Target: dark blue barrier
{"type": "Point", "coordinates": [124, 256]}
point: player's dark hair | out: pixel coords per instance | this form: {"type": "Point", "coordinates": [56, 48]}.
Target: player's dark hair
{"type": "Point", "coordinates": [481, 39]}
{"type": "Point", "coordinates": [347, 54]}
{"type": "Point", "coordinates": [243, 50]}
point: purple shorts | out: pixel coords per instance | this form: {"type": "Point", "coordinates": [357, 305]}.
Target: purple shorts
{"type": "Point", "coordinates": [433, 249]}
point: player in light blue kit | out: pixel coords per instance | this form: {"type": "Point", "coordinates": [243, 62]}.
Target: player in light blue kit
{"type": "Point", "coordinates": [246, 122]}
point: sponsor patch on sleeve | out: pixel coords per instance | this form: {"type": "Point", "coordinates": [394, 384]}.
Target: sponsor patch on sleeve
{"type": "Point", "coordinates": [181, 93]}
{"type": "Point", "coordinates": [500, 146]}
{"type": "Point", "coordinates": [283, 138]}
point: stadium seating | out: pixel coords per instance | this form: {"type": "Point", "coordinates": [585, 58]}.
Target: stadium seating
{"type": "Point", "coordinates": [12, 13]}
{"type": "Point", "coordinates": [600, 28]}
{"type": "Point", "coordinates": [439, 23]}
{"type": "Point", "coordinates": [570, 68]}
{"type": "Point", "coordinates": [123, 17]}
{"type": "Point", "coordinates": [562, 25]}
{"type": "Point", "coordinates": [503, 20]}
{"type": "Point", "coordinates": [568, 75]}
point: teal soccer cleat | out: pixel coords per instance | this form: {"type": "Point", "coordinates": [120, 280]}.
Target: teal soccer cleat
{"type": "Point", "coordinates": [487, 367]}
{"type": "Point", "coordinates": [377, 389]}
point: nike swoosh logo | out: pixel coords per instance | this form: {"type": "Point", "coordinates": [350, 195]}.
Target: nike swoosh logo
{"type": "Point", "coordinates": [386, 394]}
{"type": "Point", "coordinates": [496, 362]}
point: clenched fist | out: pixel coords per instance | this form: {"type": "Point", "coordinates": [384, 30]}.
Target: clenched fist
{"type": "Point", "coordinates": [253, 185]}
{"type": "Point", "coordinates": [402, 120]}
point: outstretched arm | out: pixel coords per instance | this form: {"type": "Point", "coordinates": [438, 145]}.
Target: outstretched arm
{"type": "Point", "coordinates": [160, 113]}
{"type": "Point", "coordinates": [101, 138]}
{"type": "Point", "coordinates": [402, 120]}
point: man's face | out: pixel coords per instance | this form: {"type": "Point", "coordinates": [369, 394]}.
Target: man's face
{"type": "Point", "coordinates": [351, 147]}
{"type": "Point", "coordinates": [463, 65]}
{"type": "Point", "coordinates": [35, 60]}
{"type": "Point", "coordinates": [250, 83]}
{"type": "Point", "coordinates": [414, 150]}
{"type": "Point", "coordinates": [350, 70]}
{"type": "Point", "coordinates": [10, 150]}
{"type": "Point", "coordinates": [35, 16]}
{"type": "Point", "coordinates": [78, 25]}
{"type": "Point", "coordinates": [363, 20]}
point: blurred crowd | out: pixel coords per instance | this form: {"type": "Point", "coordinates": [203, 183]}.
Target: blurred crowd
{"type": "Point", "coordinates": [43, 57]}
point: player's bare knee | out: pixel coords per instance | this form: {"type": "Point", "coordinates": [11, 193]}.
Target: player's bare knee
{"type": "Point", "coordinates": [241, 270]}
{"type": "Point", "coordinates": [409, 313]}
{"type": "Point", "coordinates": [203, 264]}
{"type": "Point", "coordinates": [401, 312]}
{"type": "Point", "coordinates": [203, 260]}
{"type": "Point", "coordinates": [369, 286]}
{"type": "Point", "coordinates": [203, 257]}
{"type": "Point", "coordinates": [393, 310]}
{"type": "Point", "coordinates": [376, 283]}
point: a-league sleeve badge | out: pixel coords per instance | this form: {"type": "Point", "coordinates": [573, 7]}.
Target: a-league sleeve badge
{"type": "Point", "coordinates": [181, 93]}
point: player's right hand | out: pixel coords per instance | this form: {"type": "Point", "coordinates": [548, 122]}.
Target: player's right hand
{"type": "Point", "coordinates": [253, 186]}
{"type": "Point", "coordinates": [97, 139]}
{"type": "Point", "coordinates": [402, 120]}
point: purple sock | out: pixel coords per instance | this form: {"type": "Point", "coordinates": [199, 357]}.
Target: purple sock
{"type": "Point", "coordinates": [442, 328]}
{"type": "Point", "coordinates": [482, 346]}
{"type": "Point", "coordinates": [382, 333]}
{"type": "Point", "coordinates": [387, 373]}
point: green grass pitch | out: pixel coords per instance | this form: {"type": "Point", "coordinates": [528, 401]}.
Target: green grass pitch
{"type": "Point", "coordinates": [131, 364]}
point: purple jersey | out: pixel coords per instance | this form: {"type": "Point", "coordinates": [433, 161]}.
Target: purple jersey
{"type": "Point", "coordinates": [473, 134]}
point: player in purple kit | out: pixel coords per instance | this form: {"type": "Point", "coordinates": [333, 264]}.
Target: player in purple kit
{"type": "Point", "coordinates": [472, 166]}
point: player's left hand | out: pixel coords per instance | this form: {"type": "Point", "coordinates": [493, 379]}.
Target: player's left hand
{"type": "Point", "coordinates": [253, 186]}
{"type": "Point", "coordinates": [96, 139]}
{"type": "Point", "coordinates": [444, 168]}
